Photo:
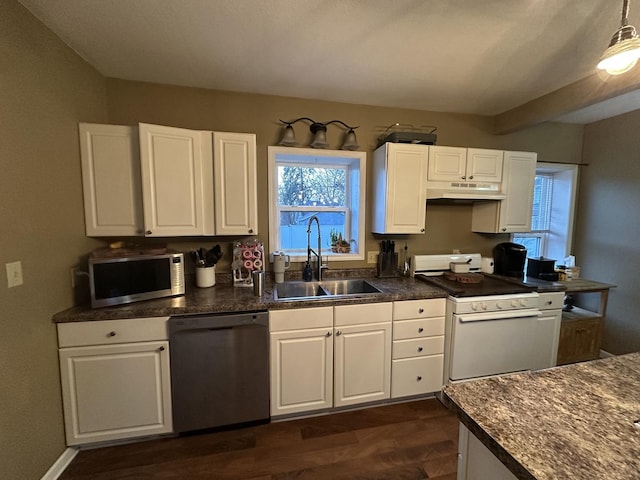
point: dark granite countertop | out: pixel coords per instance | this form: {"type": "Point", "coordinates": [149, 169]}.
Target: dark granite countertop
{"type": "Point", "coordinates": [572, 422]}
{"type": "Point", "coordinates": [223, 297]}
{"type": "Point", "coordinates": [573, 286]}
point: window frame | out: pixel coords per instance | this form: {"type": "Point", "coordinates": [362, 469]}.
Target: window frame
{"type": "Point", "coordinates": [557, 241]}
{"type": "Point", "coordinates": [355, 162]}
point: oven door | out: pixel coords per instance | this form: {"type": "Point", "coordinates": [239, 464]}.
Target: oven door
{"type": "Point", "coordinates": [492, 343]}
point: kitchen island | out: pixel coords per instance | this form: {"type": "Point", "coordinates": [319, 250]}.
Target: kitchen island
{"type": "Point", "coordinates": [574, 422]}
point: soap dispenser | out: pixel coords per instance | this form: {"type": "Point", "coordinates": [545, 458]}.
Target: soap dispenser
{"type": "Point", "coordinates": [307, 273]}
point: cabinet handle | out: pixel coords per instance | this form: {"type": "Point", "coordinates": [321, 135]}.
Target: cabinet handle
{"type": "Point", "coordinates": [471, 177]}
{"type": "Point", "coordinates": [422, 230]}
{"type": "Point", "coordinates": [420, 330]}
{"type": "Point", "coordinates": [463, 177]}
{"type": "Point", "coordinates": [338, 333]}
{"type": "Point", "coordinates": [161, 349]}
{"type": "Point", "coordinates": [421, 310]}
{"type": "Point", "coordinates": [419, 378]}
{"type": "Point", "coordinates": [111, 334]}
{"type": "Point", "coordinates": [549, 302]}
{"type": "Point", "coordinates": [420, 349]}
{"type": "Point", "coordinates": [504, 229]}
{"type": "Point", "coordinates": [148, 232]}
{"type": "Point", "coordinates": [329, 334]}
{"type": "Point", "coordinates": [251, 230]}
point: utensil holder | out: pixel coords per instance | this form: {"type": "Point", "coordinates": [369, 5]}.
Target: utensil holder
{"type": "Point", "coordinates": [205, 276]}
{"type": "Point", "coordinates": [387, 264]}
{"type": "Point", "coordinates": [258, 283]}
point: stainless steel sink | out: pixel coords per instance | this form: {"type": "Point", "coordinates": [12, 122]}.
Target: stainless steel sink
{"type": "Point", "coordinates": [325, 289]}
{"type": "Point", "coordinates": [298, 290]}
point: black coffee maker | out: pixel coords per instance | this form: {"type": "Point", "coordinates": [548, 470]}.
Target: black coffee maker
{"type": "Point", "coordinates": [508, 259]}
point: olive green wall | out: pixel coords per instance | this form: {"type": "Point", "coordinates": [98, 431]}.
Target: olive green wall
{"type": "Point", "coordinates": [448, 226]}
{"type": "Point", "coordinates": [609, 226]}
{"type": "Point", "coordinates": [45, 90]}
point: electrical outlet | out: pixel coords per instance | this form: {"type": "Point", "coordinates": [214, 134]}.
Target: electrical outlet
{"type": "Point", "coordinates": [372, 257]}
{"type": "Point", "coordinates": [14, 274]}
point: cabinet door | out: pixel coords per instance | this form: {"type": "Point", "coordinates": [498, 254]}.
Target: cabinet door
{"type": "Point", "coordinates": [484, 165]}
{"type": "Point", "coordinates": [235, 176]}
{"type": "Point", "coordinates": [301, 370]}
{"type": "Point", "coordinates": [114, 392]}
{"type": "Point", "coordinates": [362, 363]}
{"type": "Point", "coordinates": [400, 197]}
{"type": "Point", "coordinates": [447, 164]}
{"type": "Point", "coordinates": [111, 180]}
{"type": "Point", "coordinates": [518, 182]}
{"type": "Point", "coordinates": [546, 339]}
{"type": "Point", "coordinates": [177, 181]}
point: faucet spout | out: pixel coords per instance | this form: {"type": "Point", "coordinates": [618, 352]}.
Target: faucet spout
{"type": "Point", "coordinates": [310, 250]}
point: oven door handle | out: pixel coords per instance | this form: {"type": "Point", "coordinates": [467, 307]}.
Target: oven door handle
{"type": "Point", "coordinates": [508, 315]}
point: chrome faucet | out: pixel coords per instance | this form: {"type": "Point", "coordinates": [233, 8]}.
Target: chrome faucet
{"type": "Point", "coordinates": [318, 254]}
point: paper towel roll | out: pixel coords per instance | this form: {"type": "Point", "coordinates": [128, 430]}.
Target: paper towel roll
{"type": "Point", "coordinates": [486, 265]}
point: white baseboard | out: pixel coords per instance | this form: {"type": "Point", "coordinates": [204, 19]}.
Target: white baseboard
{"type": "Point", "coordinates": [605, 354]}
{"type": "Point", "coordinates": [61, 464]}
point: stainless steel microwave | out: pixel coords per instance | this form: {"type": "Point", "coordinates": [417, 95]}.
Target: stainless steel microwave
{"type": "Point", "coordinates": [116, 281]}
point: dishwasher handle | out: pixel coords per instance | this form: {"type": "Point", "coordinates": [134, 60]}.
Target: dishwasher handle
{"type": "Point", "coordinates": [217, 322]}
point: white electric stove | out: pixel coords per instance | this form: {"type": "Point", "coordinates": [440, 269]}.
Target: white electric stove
{"type": "Point", "coordinates": [491, 327]}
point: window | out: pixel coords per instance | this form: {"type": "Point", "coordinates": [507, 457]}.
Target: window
{"type": "Point", "coordinates": [552, 213]}
{"type": "Point", "coordinates": [327, 183]}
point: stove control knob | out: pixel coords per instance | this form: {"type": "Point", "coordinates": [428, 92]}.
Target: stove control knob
{"type": "Point", "coordinates": [514, 303]}
{"type": "Point", "coordinates": [484, 306]}
{"type": "Point", "coordinates": [523, 302]}
{"type": "Point", "coordinates": [499, 306]}
{"type": "Point", "coordinates": [474, 306]}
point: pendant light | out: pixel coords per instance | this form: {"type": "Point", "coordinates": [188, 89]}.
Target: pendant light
{"type": "Point", "coordinates": [624, 49]}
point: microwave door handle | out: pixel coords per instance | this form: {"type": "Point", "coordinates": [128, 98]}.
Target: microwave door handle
{"type": "Point", "coordinates": [510, 315]}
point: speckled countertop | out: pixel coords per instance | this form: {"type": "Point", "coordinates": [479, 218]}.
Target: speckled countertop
{"type": "Point", "coordinates": [574, 422]}
{"type": "Point", "coordinates": [223, 297]}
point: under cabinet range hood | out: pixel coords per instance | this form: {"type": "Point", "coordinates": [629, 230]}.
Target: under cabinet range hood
{"type": "Point", "coordinates": [464, 191]}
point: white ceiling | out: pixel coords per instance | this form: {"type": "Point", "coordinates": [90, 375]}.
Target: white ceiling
{"type": "Point", "coordinates": [464, 56]}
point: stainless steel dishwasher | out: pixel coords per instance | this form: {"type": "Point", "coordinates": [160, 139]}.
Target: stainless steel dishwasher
{"type": "Point", "coordinates": [219, 369]}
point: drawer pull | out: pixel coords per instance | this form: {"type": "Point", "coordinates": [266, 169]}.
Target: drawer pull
{"type": "Point", "coordinates": [420, 349]}
{"type": "Point", "coordinates": [329, 334]}
{"type": "Point", "coordinates": [421, 310]}
{"type": "Point", "coordinates": [419, 378]}
{"type": "Point", "coordinates": [161, 349]}
{"type": "Point", "coordinates": [420, 330]}
{"type": "Point", "coordinates": [338, 332]}
{"type": "Point", "coordinates": [549, 302]}
{"type": "Point", "coordinates": [111, 334]}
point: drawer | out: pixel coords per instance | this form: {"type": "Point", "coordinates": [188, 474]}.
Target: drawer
{"type": "Point", "coordinates": [551, 301]}
{"type": "Point", "coordinates": [415, 376]}
{"type": "Point", "coordinates": [423, 327]}
{"type": "Point", "coordinates": [300, 318]}
{"type": "Point", "coordinates": [106, 332]}
{"type": "Point", "coordinates": [434, 307]}
{"type": "Point", "coordinates": [418, 347]}
{"type": "Point", "coordinates": [362, 313]}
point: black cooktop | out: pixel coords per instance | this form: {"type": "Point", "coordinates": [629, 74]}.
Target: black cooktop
{"type": "Point", "coordinates": [487, 286]}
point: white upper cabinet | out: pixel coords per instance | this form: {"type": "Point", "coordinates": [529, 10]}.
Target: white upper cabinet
{"type": "Point", "coordinates": [455, 164]}
{"type": "Point", "coordinates": [235, 183]}
{"type": "Point", "coordinates": [111, 180]}
{"type": "Point", "coordinates": [400, 194]}
{"type": "Point", "coordinates": [484, 165]}
{"type": "Point", "coordinates": [177, 181]}
{"type": "Point", "coordinates": [159, 181]}
{"type": "Point", "coordinates": [512, 214]}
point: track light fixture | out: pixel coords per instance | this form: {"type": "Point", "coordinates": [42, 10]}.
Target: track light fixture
{"type": "Point", "coordinates": [624, 48]}
{"type": "Point", "coordinates": [319, 131]}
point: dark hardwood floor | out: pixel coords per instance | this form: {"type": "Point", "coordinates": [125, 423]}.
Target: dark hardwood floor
{"type": "Point", "coordinates": [406, 441]}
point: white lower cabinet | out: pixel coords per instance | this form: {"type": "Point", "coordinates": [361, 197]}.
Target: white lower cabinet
{"type": "Point", "coordinates": [301, 342]}
{"type": "Point", "coordinates": [476, 462]}
{"type": "Point", "coordinates": [115, 379]}
{"type": "Point", "coordinates": [327, 357]}
{"type": "Point", "coordinates": [548, 330]}
{"type": "Point", "coordinates": [418, 347]}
